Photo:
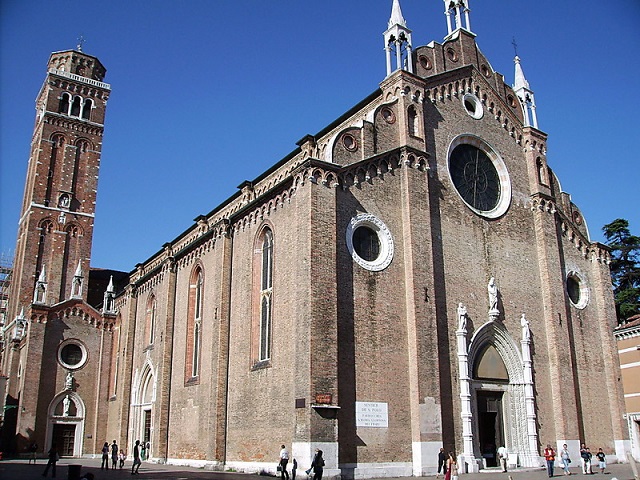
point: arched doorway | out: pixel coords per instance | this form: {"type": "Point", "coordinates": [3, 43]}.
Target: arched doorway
{"type": "Point", "coordinates": [65, 426]}
{"type": "Point", "coordinates": [143, 397]}
{"type": "Point", "coordinates": [501, 391]}
{"type": "Point", "coordinates": [490, 380]}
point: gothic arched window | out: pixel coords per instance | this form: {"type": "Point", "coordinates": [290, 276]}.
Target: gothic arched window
{"type": "Point", "coordinates": [263, 275]}
{"type": "Point", "coordinates": [194, 325]}
{"type": "Point", "coordinates": [150, 319]}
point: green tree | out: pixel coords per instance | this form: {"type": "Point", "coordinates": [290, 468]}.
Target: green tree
{"type": "Point", "coordinates": [625, 267]}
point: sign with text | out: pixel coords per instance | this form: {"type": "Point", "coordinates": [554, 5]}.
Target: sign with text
{"type": "Point", "coordinates": [372, 414]}
{"type": "Point", "coordinates": [323, 398]}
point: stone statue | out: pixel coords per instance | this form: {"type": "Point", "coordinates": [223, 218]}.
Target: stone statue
{"type": "Point", "coordinates": [68, 383]}
{"type": "Point", "coordinates": [526, 333]}
{"type": "Point", "coordinates": [462, 317]}
{"type": "Point", "coordinates": [493, 295]}
{"type": "Point", "coordinates": [66, 404]}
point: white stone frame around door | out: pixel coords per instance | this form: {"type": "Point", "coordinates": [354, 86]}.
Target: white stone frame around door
{"type": "Point", "coordinates": [77, 420]}
{"type": "Point", "coordinates": [143, 398]}
{"type": "Point", "coordinates": [518, 412]}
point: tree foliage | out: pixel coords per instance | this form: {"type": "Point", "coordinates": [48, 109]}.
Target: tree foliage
{"type": "Point", "coordinates": [625, 267]}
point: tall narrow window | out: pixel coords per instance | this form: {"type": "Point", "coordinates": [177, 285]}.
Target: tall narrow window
{"type": "Point", "coordinates": [64, 104]}
{"type": "Point", "coordinates": [266, 295]}
{"type": "Point", "coordinates": [75, 107]}
{"type": "Point", "coordinates": [194, 326]}
{"type": "Point", "coordinates": [86, 109]}
{"type": "Point", "coordinates": [197, 327]}
{"type": "Point", "coordinates": [150, 320]}
{"type": "Point", "coordinates": [412, 115]}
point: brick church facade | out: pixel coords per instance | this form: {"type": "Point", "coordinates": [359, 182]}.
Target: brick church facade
{"type": "Point", "coordinates": [410, 277]}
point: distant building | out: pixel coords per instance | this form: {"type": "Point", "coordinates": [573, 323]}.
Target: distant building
{"type": "Point", "coordinates": [410, 277]}
{"type": "Point", "coordinates": [628, 337]}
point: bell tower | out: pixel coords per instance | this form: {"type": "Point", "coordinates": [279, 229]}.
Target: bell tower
{"type": "Point", "coordinates": [56, 221]}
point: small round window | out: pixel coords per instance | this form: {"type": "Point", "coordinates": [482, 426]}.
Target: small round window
{"type": "Point", "coordinates": [473, 106]}
{"type": "Point", "coordinates": [349, 142]}
{"type": "Point", "coordinates": [369, 242]}
{"type": "Point", "coordinates": [577, 290]}
{"type": "Point", "coordinates": [388, 115]}
{"type": "Point", "coordinates": [72, 354]}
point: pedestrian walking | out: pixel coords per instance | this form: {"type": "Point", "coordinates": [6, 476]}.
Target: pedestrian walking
{"type": "Point", "coordinates": [602, 461]}
{"type": "Point", "coordinates": [442, 462]}
{"type": "Point", "coordinates": [136, 459]}
{"type": "Point", "coordinates": [53, 458]}
{"type": "Point", "coordinates": [114, 455]}
{"type": "Point", "coordinates": [317, 465]}
{"type": "Point", "coordinates": [33, 448]}
{"type": "Point", "coordinates": [284, 460]}
{"type": "Point", "coordinates": [566, 459]}
{"type": "Point", "coordinates": [105, 456]}
{"type": "Point", "coordinates": [550, 458]}
{"type": "Point", "coordinates": [503, 455]}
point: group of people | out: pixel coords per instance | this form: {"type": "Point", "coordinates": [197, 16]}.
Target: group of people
{"type": "Point", "coordinates": [585, 459]}
{"type": "Point", "coordinates": [317, 465]}
{"type": "Point", "coordinates": [448, 465]}
{"type": "Point", "coordinates": [117, 455]}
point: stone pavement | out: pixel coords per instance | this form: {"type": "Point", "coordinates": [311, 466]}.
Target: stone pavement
{"type": "Point", "coordinates": [21, 470]}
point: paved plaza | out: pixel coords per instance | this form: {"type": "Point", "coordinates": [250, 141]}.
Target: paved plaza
{"type": "Point", "coordinates": [21, 470]}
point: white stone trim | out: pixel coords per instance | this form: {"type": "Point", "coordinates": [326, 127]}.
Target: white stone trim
{"type": "Point", "coordinates": [384, 237]}
{"type": "Point", "coordinates": [505, 182]}
{"type": "Point", "coordinates": [425, 456]}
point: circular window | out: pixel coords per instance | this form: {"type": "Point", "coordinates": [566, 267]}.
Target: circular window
{"type": "Point", "coordinates": [479, 176]}
{"type": "Point", "coordinates": [349, 142]}
{"type": "Point", "coordinates": [369, 242]}
{"type": "Point", "coordinates": [388, 115]}
{"type": "Point", "coordinates": [577, 290]}
{"type": "Point", "coordinates": [577, 218]}
{"type": "Point", "coordinates": [473, 106]}
{"type": "Point", "coordinates": [452, 54]}
{"type": "Point", "coordinates": [425, 62]}
{"type": "Point", "coordinates": [72, 354]}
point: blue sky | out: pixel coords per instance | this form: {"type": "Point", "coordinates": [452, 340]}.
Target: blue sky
{"type": "Point", "coordinates": [206, 94]}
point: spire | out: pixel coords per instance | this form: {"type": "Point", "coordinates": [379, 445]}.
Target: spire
{"type": "Point", "coordinates": [76, 284]}
{"type": "Point", "coordinates": [396, 15]}
{"type": "Point", "coordinates": [40, 292]}
{"type": "Point", "coordinates": [108, 303]}
{"type": "Point", "coordinates": [19, 327]}
{"type": "Point", "coordinates": [525, 95]}
{"type": "Point", "coordinates": [458, 11]}
{"type": "Point", "coordinates": [397, 39]}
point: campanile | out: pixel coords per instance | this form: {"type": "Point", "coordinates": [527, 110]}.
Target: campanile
{"type": "Point", "coordinates": [56, 221]}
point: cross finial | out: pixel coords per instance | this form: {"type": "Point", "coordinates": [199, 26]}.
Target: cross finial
{"type": "Point", "coordinates": [80, 43]}
{"type": "Point", "coordinates": [515, 46]}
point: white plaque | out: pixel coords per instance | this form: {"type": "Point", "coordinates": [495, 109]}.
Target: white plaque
{"type": "Point", "coordinates": [372, 414]}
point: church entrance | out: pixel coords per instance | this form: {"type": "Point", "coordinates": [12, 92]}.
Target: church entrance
{"type": "Point", "coordinates": [490, 425]}
{"type": "Point", "coordinates": [64, 437]}
{"type": "Point", "coordinates": [147, 434]}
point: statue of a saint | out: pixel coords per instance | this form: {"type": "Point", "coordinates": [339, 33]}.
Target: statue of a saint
{"type": "Point", "coordinates": [68, 382]}
{"type": "Point", "coordinates": [66, 404]}
{"type": "Point", "coordinates": [462, 317]}
{"type": "Point", "coordinates": [526, 333]}
{"type": "Point", "coordinates": [492, 288]}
